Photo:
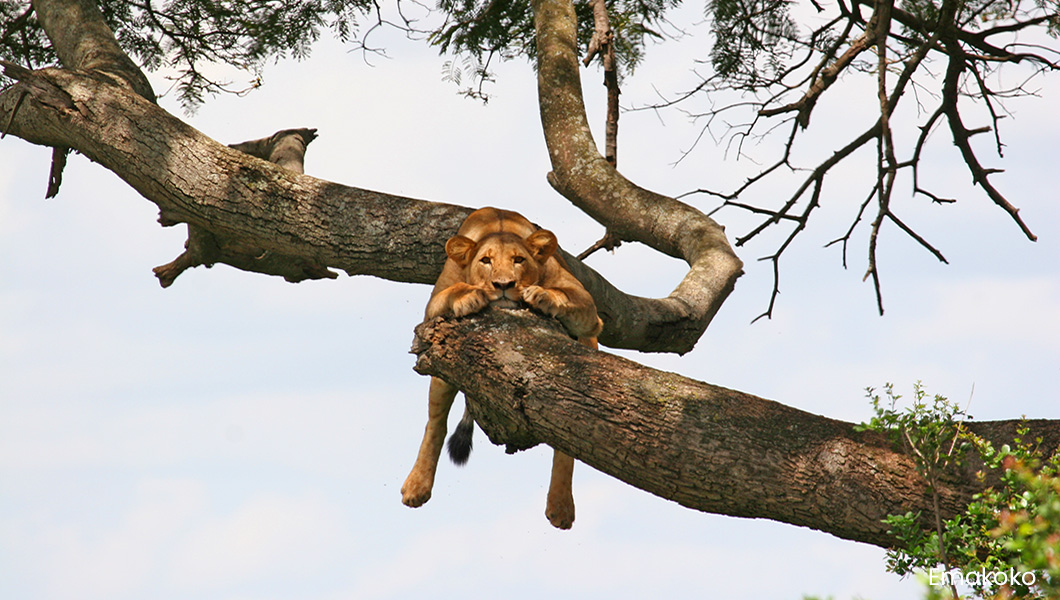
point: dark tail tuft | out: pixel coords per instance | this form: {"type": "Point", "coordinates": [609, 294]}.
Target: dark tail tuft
{"type": "Point", "coordinates": [460, 442]}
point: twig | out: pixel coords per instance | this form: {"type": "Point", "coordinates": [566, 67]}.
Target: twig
{"type": "Point", "coordinates": [14, 111]}
{"type": "Point", "coordinates": [603, 44]}
{"type": "Point", "coordinates": [55, 174]}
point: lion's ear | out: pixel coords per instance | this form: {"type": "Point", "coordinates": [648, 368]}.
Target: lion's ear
{"type": "Point", "coordinates": [542, 244]}
{"type": "Point", "coordinates": [460, 249]}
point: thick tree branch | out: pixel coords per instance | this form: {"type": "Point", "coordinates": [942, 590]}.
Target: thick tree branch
{"type": "Point", "coordinates": [272, 220]}
{"type": "Point", "coordinates": [255, 215]}
{"type": "Point", "coordinates": [628, 211]}
{"type": "Point", "coordinates": [703, 446]}
{"type": "Point", "coordinates": [285, 148]}
{"type": "Point", "coordinates": [83, 41]}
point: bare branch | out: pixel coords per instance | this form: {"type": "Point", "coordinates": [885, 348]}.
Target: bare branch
{"type": "Point", "coordinates": [603, 42]}
{"type": "Point", "coordinates": [815, 201]}
{"type": "Point", "coordinates": [55, 174]}
{"type": "Point", "coordinates": [950, 91]}
{"type": "Point", "coordinates": [827, 76]}
{"type": "Point", "coordinates": [845, 238]}
{"type": "Point", "coordinates": [886, 163]}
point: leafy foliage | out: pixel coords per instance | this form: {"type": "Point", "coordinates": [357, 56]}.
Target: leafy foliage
{"type": "Point", "coordinates": [21, 38]}
{"type": "Point", "coordinates": [1006, 544]}
{"type": "Point", "coordinates": [506, 27]}
{"type": "Point", "coordinates": [752, 38]}
{"type": "Point", "coordinates": [188, 35]}
{"type": "Point", "coordinates": [474, 70]}
{"type": "Point", "coordinates": [929, 430]}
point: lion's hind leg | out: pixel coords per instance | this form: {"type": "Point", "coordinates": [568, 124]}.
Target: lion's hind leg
{"type": "Point", "coordinates": [417, 487]}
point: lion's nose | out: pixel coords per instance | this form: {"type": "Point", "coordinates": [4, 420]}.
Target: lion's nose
{"type": "Point", "coordinates": [504, 285]}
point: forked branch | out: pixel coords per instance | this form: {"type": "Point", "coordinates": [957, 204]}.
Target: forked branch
{"type": "Point", "coordinates": [970, 51]}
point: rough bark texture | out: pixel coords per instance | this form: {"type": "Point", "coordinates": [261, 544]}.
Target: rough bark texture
{"type": "Point", "coordinates": [628, 211]}
{"type": "Point", "coordinates": [705, 447]}
{"type": "Point", "coordinates": [285, 148]}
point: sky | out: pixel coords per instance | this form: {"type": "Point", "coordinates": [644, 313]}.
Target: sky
{"type": "Point", "coordinates": [238, 437]}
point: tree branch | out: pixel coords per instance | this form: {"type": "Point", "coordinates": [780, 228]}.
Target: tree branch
{"type": "Point", "coordinates": [285, 148]}
{"type": "Point", "coordinates": [83, 41]}
{"type": "Point", "coordinates": [603, 43]}
{"type": "Point", "coordinates": [828, 73]}
{"type": "Point", "coordinates": [955, 67]}
{"type": "Point", "coordinates": [705, 447]}
{"type": "Point", "coordinates": [628, 211]}
{"type": "Point", "coordinates": [265, 218]}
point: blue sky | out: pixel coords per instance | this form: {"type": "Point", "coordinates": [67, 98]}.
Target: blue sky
{"type": "Point", "coordinates": [239, 437]}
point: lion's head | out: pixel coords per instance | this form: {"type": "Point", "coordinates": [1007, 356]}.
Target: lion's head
{"type": "Point", "coordinates": [503, 263]}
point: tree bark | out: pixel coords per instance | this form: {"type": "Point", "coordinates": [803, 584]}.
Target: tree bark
{"type": "Point", "coordinates": [703, 446]}
{"type": "Point", "coordinates": [285, 148]}
{"type": "Point", "coordinates": [83, 41]}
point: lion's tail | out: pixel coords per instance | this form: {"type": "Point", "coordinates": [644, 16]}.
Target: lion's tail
{"type": "Point", "coordinates": [460, 442]}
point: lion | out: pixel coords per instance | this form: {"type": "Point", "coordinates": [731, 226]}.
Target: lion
{"type": "Point", "coordinates": [499, 258]}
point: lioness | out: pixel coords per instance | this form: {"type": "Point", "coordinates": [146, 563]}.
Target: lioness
{"type": "Point", "coordinates": [499, 257]}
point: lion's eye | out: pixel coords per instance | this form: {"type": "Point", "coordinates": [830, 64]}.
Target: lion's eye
{"type": "Point", "coordinates": [485, 260]}
{"type": "Point", "coordinates": [518, 260]}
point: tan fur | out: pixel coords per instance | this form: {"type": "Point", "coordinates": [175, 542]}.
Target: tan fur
{"type": "Point", "coordinates": [499, 257]}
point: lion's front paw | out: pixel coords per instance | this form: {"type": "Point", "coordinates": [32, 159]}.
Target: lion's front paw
{"type": "Point", "coordinates": [416, 490]}
{"type": "Point", "coordinates": [542, 299]}
{"type": "Point", "coordinates": [471, 301]}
